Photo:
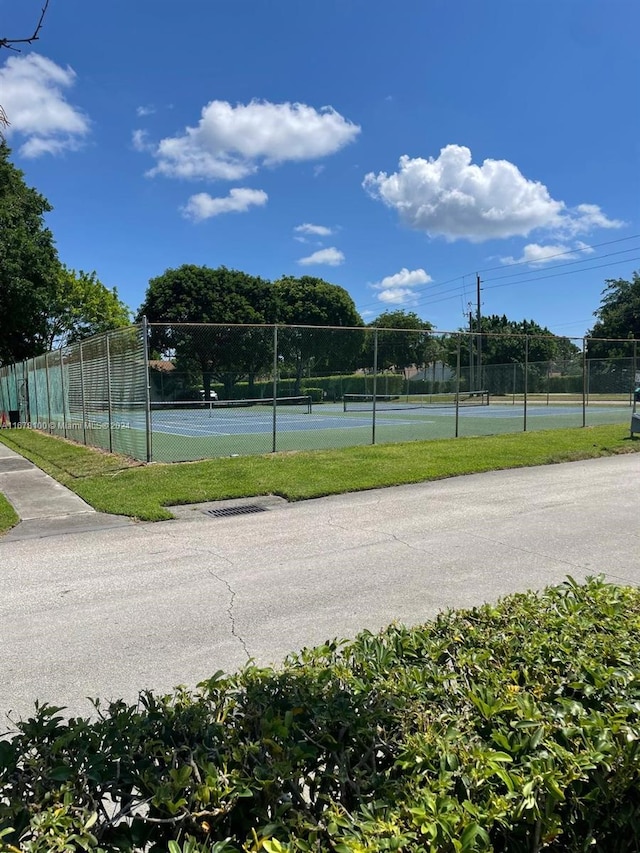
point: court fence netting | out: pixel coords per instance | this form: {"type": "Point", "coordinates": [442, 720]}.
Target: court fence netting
{"type": "Point", "coordinates": [179, 392]}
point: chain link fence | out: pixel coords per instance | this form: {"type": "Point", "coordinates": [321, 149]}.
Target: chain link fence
{"type": "Point", "coordinates": [182, 392]}
{"type": "Point", "coordinates": [93, 392]}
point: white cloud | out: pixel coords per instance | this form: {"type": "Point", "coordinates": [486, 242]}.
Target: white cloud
{"type": "Point", "coordinates": [140, 140]}
{"type": "Point", "coordinates": [452, 197]}
{"type": "Point", "coordinates": [231, 142]}
{"type": "Point", "coordinates": [33, 97]}
{"type": "Point", "coordinates": [316, 230]}
{"type": "Point", "coordinates": [535, 254]}
{"type": "Point", "coordinates": [145, 111]}
{"type": "Point", "coordinates": [397, 289]}
{"type": "Point", "coordinates": [203, 206]}
{"type": "Point", "coordinates": [587, 217]}
{"type": "Point", "coordinates": [331, 257]}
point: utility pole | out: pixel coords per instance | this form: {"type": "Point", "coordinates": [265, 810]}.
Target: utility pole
{"type": "Point", "coordinates": [479, 338]}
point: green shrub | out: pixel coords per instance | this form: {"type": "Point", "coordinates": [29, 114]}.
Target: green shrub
{"type": "Point", "coordinates": [316, 394]}
{"type": "Point", "coordinates": [512, 727]}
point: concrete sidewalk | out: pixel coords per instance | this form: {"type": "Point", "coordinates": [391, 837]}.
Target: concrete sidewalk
{"type": "Point", "coordinates": [45, 507]}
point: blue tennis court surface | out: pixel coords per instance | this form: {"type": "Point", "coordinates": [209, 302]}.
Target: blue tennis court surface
{"type": "Point", "coordinates": [330, 416]}
{"type": "Point", "coordinates": [234, 422]}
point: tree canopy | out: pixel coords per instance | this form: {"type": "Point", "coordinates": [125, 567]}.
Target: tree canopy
{"type": "Point", "coordinates": [29, 265]}
{"type": "Point", "coordinates": [503, 342]}
{"type": "Point", "coordinates": [404, 342]}
{"type": "Point", "coordinates": [82, 306]}
{"type": "Point", "coordinates": [199, 294]}
{"type": "Point", "coordinates": [617, 317]}
{"type": "Point", "coordinates": [309, 301]}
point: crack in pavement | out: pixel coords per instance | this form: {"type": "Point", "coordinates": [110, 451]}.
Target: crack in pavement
{"type": "Point", "coordinates": [546, 556]}
{"type": "Point", "coordinates": [232, 618]}
{"type": "Point", "coordinates": [392, 536]}
{"type": "Point", "coordinates": [198, 548]}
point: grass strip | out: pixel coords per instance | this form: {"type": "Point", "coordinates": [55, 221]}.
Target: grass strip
{"type": "Point", "coordinates": [8, 515]}
{"type": "Point", "coordinates": [117, 485]}
{"type": "Point", "coordinates": [64, 460]}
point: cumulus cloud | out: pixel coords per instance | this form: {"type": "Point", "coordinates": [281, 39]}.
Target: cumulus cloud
{"type": "Point", "coordinates": [587, 217]}
{"type": "Point", "coordinates": [33, 96]}
{"type": "Point", "coordinates": [203, 206]}
{"type": "Point", "coordinates": [145, 111]}
{"type": "Point", "coordinates": [331, 257]}
{"type": "Point", "coordinates": [315, 230]}
{"type": "Point", "coordinates": [398, 289]}
{"type": "Point", "coordinates": [452, 197]}
{"type": "Point", "coordinates": [231, 142]}
{"type": "Point", "coordinates": [536, 255]}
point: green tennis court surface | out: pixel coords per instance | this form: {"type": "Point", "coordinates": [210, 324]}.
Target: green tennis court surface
{"type": "Point", "coordinates": [197, 433]}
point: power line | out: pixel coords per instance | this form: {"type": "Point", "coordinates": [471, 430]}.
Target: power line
{"type": "Point", "coordinates": [566, 252]}
{"type": "Point", "coordinates": [538, 278]}
{"type": "Point", "coordinates": [459, 290]}
{"type": "Point", "coordinates": [571, 272]}
{"type": "Point", "coordinates": [568, 264]}
{"type": "Point", "coordinates": [559, 266]}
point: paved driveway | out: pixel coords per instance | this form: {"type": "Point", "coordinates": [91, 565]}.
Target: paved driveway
{"type": "Point", "coordinates": [104, 613]}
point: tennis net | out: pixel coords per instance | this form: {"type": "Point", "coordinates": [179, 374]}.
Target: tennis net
{"type": "Point", "coordinates": [299, 404]}
{"type": "Point", "coordinates": [389, 402]}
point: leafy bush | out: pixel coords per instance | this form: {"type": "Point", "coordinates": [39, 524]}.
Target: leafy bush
{"type": "Point", "coordinates": [316, 394]}
{"type": "Point", "coordinates": [512, 727]}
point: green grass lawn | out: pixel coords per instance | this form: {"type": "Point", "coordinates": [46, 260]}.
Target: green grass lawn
{"type": "Point", "coordinates": [8, 517]}
{"type": "Point", "coordinates": [119, 485]}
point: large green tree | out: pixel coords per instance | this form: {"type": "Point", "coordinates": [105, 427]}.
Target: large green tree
{"type": "Point", "coordinates": [81, 307]}
{"type": "Point", "coordinates": [403, 341]}
{"type": "Point", "coordinates": [199, 294]}
{"type": "Point", "coordinates": [310, 301]}
{"type": "Point", "coordinates": [507, 343]}
{"type": "Point", "coordinates": [503, 342]}
{"type": "Point", "coordinates": [617, 317]}
{"type": "Point", "coordinates": [29, 265]}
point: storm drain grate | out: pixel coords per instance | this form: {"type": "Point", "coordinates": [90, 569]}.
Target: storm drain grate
{"type": "Point", "coordinates": [247, 509]}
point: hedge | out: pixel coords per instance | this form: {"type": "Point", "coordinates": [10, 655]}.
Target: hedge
{"type": "Point", "coordinates": [508, 727]}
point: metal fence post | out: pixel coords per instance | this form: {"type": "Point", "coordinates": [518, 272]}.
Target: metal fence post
{"type": "Point", "coordinates": [148, 425]}
{"type": "Point", "coordinates": [35, 419]}
{"type": "Point", "coordinates": [585, 381]}
{"type": "Point", "coordinates": [84, 411]}
{"type": "Point", "coordinates": [526, 380]}
{"type": "Point", "coordinates": [274, 425]}
{"type": "Point", "coordinates": [375, 385]}
{"type": "Point", "coordinates": [548, 381]}
{"type": "Point", "coordinates": [458, 385]}
{"type": "Point", "coordinates": [109, 402]}
{"type": "Point", "coordinates": [46, 376]}
{"type": "Point", "coordinates": [64, 393]}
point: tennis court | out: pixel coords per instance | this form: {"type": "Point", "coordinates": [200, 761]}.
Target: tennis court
{"type": "Point", "coordinates": [105, 391]}
{"type": "Point", "coordinates": [184, 434]}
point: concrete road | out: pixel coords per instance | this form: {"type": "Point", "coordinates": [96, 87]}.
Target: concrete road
{"type": "Point", "coordinates": [106, 613]}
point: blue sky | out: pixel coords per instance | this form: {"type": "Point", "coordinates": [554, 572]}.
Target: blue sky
{"type": "Point", "coordinates": [395, 149]}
